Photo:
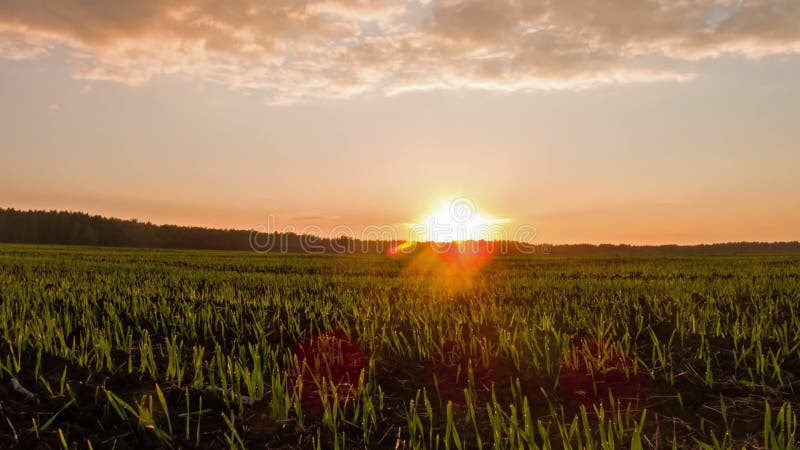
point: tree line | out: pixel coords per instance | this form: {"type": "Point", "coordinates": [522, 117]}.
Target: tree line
{"type": "Point", "coordinates": [77, 228]}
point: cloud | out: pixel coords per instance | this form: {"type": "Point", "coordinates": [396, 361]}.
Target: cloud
{"type": "Point", "coordinates": [293, 50]}
{"type": "Point", "coordinates": [18, 46]}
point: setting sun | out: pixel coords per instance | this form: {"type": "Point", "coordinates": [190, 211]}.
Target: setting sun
{"type": "Point", "coordinates": [458, 220]}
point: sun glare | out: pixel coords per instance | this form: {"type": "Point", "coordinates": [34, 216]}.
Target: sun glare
{"type": "Point", "coordinates": [458, 220]}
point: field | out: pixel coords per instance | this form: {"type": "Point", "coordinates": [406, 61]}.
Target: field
{"type": "Point", "coordinates": [116, 348]}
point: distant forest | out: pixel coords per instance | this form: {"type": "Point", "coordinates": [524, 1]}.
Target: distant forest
{"type": "Point", "coordinates": [75, 228]}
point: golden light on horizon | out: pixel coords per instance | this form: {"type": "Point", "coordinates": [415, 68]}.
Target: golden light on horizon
{"type": "Point", "coordinates": [455, 220]}
{"type": "Point", "coordinates": [445, 256]}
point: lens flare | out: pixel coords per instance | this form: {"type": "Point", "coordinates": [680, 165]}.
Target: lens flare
{"type": "Point", "coordinates": [324, 363]}
{"type": "Point", "coordinates": [593, 371]}
{"type": "Point", "coordinates": [451, 245]}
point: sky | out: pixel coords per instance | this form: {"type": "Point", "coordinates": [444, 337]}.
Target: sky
{"type": "Point", "coordinates": [610, 121]}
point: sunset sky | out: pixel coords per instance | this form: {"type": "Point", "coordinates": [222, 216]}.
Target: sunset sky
{"type": "Point", "coordinates": [638, 121]}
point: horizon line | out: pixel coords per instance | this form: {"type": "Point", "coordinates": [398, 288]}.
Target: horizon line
{"type": "Point", "coordinates": [251, 230]}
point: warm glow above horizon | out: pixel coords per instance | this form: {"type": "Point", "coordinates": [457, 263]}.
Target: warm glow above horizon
{"type": "Point", "coordinates": [457, 220]}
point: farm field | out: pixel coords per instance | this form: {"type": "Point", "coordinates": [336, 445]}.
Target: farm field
{"type": "Point", "coordinates": [122, 348]}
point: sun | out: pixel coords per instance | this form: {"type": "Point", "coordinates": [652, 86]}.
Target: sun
{"type": "Point", "coordinates": [458, 219]}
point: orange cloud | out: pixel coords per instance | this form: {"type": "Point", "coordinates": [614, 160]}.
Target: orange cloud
{"type": "Point", "coordinates": [294, 50]}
